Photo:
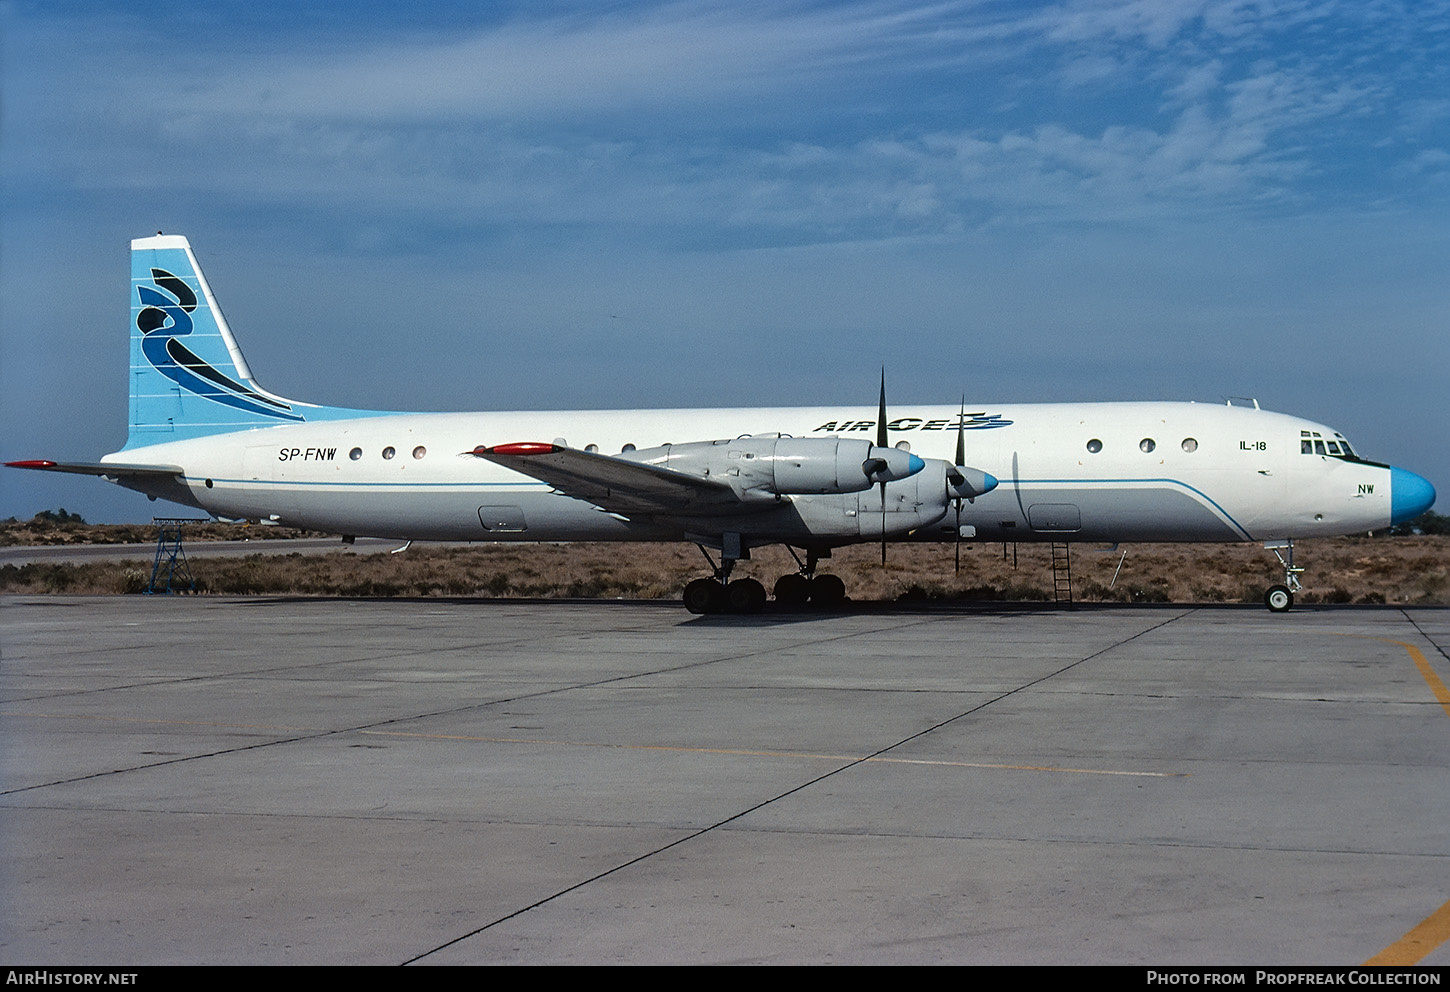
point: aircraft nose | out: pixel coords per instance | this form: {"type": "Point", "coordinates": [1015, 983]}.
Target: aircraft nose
{"type": "Point", "coordinates": [1410, 495]}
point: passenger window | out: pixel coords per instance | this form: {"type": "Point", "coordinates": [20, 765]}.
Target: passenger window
{"type": "Point", "coordinates": [355, 454]}
{"type": "Point", "coordinates": [419, 451]}
{"type": "Point", "coordinates": [1147, 445]}
{"type": "Point", "coordinates": [388, 452]}
{"type": "Point", "coordinates": [1190, 445]}
{"type": "Point", "coordinates": [1095, 446]}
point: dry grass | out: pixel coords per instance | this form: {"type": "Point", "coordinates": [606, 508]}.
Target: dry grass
{"type": "Point", "coordinates": [1341, 570]}
{"type": "Point", "coordinates": [37, 532]}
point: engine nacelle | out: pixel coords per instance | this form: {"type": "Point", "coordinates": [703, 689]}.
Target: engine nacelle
{"type": "Point", "coordinates": [771, 466]}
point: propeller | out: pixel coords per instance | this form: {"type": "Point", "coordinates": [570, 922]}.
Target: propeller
{"type": "Point", "coordinates": [961, 459]}
{"type": "Point", "coordinates": [882, 441]}
{"type": "Point", "coordinates": [963, 482]}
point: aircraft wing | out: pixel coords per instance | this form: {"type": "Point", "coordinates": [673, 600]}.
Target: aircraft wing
{"type": "Point", "coordinates": [112, 469]}
{"type": "Point", "coordinates": [616, 484]}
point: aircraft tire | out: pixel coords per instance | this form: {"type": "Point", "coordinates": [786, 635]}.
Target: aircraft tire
{"type": "Point", "coordinates": [1279, 599]}
{"type": "Point", "coordinates": [828, 590]}
{"type": "Point", "coordinates": [792, 590]}
{"type": "Point", "coordinates": [704, 596]}
{"type": "Point", "coordinates": [745, 596]}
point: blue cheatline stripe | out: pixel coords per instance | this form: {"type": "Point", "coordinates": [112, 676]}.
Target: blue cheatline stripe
{"type": "Point", "coordinates": [522, 486]}
{"type": "Point", "coordinates": [541, 487]}
{"type": "Point", "coordinates": [1172, 482]}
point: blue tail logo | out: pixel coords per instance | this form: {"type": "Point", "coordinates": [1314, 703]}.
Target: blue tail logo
{"type": "Point", "coordinates": [164, 318]}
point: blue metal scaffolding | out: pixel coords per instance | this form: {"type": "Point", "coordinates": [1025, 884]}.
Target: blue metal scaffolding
{"type": "Point", "coordinates": [171, 570]}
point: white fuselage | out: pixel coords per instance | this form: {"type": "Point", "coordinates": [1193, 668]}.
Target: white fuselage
{"type": "Point", "coordinates": [1214, 473]}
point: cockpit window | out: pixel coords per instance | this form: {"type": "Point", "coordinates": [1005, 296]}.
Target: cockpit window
{"type": "Point", "coordinates": [1314, 443]}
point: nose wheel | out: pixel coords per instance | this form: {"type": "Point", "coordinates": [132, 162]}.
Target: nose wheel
{"type": "Point", "coordinates": [1278, 599]}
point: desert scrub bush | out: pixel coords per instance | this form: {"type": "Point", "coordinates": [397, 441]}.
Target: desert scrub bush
{"type": "Point", "coordinates": [587, 588]}
{"type": "Point", "coordinates": [1024, 592]}
{"type": "Point", "coordinates": [917, 593]}
{"type": "Point", "coordinates": [369, 589]}
{"type": "Point", "coordinates": [132, 580]}
{"type": "Point", "coordinates": [1089, 590]}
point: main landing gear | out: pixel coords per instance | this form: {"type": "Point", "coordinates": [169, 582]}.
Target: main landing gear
{"type": "Point", "coordinates": [1280, 598]}
{"type": "Point", "coordinates": [805, 586]}
{"type": "Point", "coordinates": [721, 595]}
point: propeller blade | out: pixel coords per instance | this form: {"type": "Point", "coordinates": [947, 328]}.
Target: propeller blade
{"type": "Point", "coordinates": [962, 433]}
{"type": "Point", "coordinates": [881, 440]}
{"type": "Point", "coordinates": [957, 541]}
{"type": "Point", "coordinates": [883, 525]}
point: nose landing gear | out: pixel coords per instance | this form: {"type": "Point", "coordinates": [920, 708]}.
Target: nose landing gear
{"type": "Point", "coordinates": [1280, 598]}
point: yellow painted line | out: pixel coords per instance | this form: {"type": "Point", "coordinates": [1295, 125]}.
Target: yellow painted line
{"type": "Point", "coordinates": [1434, 929]}
{"type": "Point", "coordinates": [1427, 673]}
{"type": "Point", "coordinates": [772, 754]}
{"type": "Point", "coordinates": [1413, 947]}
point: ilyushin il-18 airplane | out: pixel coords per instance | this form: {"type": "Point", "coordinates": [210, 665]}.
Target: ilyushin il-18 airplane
{"type": "Point", "coordinates": [205, 434]}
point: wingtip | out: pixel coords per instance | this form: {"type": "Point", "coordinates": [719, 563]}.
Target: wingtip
{"type": "Point", "coordinates": [516, 448]}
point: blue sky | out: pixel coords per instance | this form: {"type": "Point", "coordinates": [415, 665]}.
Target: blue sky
{"type": "Point", "coordinates": [540, 205]}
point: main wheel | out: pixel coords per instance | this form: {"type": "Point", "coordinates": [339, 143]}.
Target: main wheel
{"type": "Point", "coordinates": [1278, 599]}
{"type": "Point", "coordinates": [792, 590]}
{"type": "Point", "coordinates": [704, 596]}
{"type": "Point", "coordinates": [828, 590]}
{"type": "Point", "coordinates": [745, 596]}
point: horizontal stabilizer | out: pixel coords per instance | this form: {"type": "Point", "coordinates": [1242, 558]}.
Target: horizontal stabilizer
{"type": "Point", "coordinates": [112, 469]}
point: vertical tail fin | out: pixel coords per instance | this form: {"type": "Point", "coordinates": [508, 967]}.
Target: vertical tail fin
{"type": "Point", "coordinates": [188, 377]}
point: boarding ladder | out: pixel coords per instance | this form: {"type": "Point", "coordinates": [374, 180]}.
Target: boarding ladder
{"type": "Point", "coordinates": [1061, 573]}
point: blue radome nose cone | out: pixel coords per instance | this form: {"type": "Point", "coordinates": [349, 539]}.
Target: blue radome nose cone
{"type": "Point", "coordinates": [1410, 495]}
{"type": "Point", "coordinates": [915, 465]}
{"type": "Point", "coordinates": [991, 482]}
